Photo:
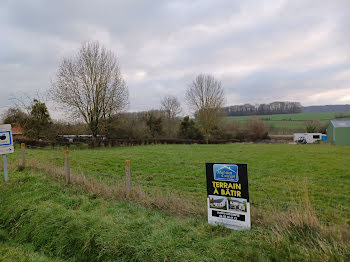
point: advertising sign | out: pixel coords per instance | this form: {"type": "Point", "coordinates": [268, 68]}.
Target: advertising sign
{"type": "Point", "coordinates": [6, 141]}
{"type": "Point", "coordinates": [228, 197]}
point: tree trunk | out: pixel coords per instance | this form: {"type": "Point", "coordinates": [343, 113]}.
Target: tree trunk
{"type": "Point", "coordinates": [206, 138]}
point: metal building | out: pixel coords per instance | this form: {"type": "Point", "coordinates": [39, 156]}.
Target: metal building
{"type": "Point", "coordinates": [338, 132]}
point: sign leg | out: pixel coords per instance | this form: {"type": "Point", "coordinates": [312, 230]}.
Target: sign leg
{"type": "Point", "coordinates": [5, 168]}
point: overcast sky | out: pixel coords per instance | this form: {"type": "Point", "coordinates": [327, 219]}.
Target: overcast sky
{"type": "Point", "coordinates": [262, 51]}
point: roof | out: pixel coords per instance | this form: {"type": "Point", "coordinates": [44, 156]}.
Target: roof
{"type": "Point", "coordinates": [338, 123]}
{"type": "Point", "coordinates": [235, 201]}
{"type": "Point", "coordinates": [218, 200]}
{"type": "Point", "coordinates": [17, 130]}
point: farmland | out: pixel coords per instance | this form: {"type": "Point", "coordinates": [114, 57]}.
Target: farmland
{"type": "Point", "coordinates": [306, 185]}
{"type": "Point", "coordinates": [290, 123]}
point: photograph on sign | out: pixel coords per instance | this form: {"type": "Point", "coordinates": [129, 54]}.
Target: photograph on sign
{"type": "Point", "coordinates": [228, 197]}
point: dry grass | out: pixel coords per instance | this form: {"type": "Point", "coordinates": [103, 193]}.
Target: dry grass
{"type": "Point", "coordinates": [168, 202]}
{"type": "Point", "coordinates": [301, 224]}
{"type": "Point", "coordinates": [297, 224]}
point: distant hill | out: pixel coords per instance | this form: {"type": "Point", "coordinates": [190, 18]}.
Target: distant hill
{"type": "Point", "coordinates": [281, 108]}
{"type": "Point", "coordinates": [326, 108]}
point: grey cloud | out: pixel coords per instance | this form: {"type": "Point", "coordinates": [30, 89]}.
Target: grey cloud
{"type": "Point", "coordinates": [261, 50]}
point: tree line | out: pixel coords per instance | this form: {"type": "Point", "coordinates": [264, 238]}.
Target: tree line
{"type": "Point", "coordinates": [264, 109]}
{"type": "Point", "coordinates": [92, 90]}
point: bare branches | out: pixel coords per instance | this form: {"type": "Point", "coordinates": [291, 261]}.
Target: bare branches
{"type": "Point", "coordinates": [171, 106]}
{"type": "Point", "coordinates": [205, 96]}
{"type": "Point", "coordinates": [205, 92]}
{"type": "Point", "coordinates": [25, 101]}
{"type": "Point", "coordinates": [90, 85]}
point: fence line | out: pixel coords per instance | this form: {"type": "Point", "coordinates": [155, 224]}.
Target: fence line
{"type": "Point", "coordinates": [268, 198]}
{"type": "Point", "coordinates": [202, 187]}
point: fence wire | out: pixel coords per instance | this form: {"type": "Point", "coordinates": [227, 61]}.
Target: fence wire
{"type": "Point", "coordinates": [201, 188]}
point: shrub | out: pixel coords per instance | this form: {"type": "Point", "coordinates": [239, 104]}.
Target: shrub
{"type": "Point", "coordinates": [323, 128]}
{"type": "Point", "coordinates": [226, 130]}
{"type": "Point", "coordinates": [256, 129]}
{"type": "Point", "coordinates": [189, 129]}
{"type": "Point", "coordinates": [154, 123]}
{"type": "Point", "coordinates": [312, 125]}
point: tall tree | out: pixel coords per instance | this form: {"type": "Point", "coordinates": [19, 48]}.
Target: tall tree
{"type": "Point", "coordinates": [90, 85]}
{"type": "Point", "coordinates": [172, 108]}
{"type": "Point", "coordinates": [154, 123]}
{"type": "Point", "coordinates": [205, 95]}
{"type": "Point", "coordinates": [14, 116]}
{"type": "Point", "coordinates": [38, 123]}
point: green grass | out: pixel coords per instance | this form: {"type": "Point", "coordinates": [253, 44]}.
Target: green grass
{"type": "Point", "coordinates": [66, 222]}
{"type": "Point", "coordinates": [275, 172]}
{"type": "Point", "coordinates": [10, 252]}
{"type": "Point", "coordinates": [290, 123]}
{"type": "Point", "coordinates": [298, 116]}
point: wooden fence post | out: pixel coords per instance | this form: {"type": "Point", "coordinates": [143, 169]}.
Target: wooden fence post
{"type": "Point", "coordinates": [23, 149]}
{"type": "Point", "coordinates": [128, 177]}
{"type": "Point", "coordinates": [66, 163]}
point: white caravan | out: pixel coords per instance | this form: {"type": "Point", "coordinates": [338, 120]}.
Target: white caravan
{"type": "Point", "coordinates": [307, 138]}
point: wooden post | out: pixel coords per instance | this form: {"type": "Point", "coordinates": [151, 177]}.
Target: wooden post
{"type": "Point", "coordinates": [66, 163]}
{"type": "Point", "coordinates": [23, 149]}
{"type": "Point", "coordinates": [128, 177]}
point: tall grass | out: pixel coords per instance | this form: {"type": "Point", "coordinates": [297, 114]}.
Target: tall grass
{"type": "Point", "coordinates": [169, 202]}
{"type": "Point", "coordinates": [88, 221]}
{"type": "Point", "coordinates": [91, 220]}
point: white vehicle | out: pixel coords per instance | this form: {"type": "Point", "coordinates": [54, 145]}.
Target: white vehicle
{"type": "Point", "coordinates": [307, 138]}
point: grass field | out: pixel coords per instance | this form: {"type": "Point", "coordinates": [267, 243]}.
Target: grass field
{"type": "Point", "coordinates": [290, 123]}
{"type": "Point", "coordinates": [10, 252]}
{"type": "Point", "coordinates": [300, 197]}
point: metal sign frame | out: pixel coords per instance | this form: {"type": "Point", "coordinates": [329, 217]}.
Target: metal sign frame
{"type": "Point", "coordinates": [6, 148]}
{"type": "Point", "coordinates": [228, 195]}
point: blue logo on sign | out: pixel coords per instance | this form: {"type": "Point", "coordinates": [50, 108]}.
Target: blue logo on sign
{"type": "Point", "coordinates": [224, 172]}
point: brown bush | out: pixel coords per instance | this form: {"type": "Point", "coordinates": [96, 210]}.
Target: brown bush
{"type": "Point", "coordinates": [227, 130]}
{"type": "Point", "coordinates": [256, 129]}
{"type": "Point", "coordinates": [312, 125]}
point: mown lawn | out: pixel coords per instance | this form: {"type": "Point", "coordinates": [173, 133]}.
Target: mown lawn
{"type": "Point", "coordinates": [66, 222]}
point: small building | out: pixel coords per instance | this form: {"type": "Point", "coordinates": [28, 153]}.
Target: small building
{"type": "Point", "coordinates": [236, 205]}
{"type": "Point", "coordinates": [17, 132]}
{"type": "Point", "coordinates": [307, 138]}
{"type": "Point", "coordinates": [338, 132]}
{"type": "Point", "coordinates": [220, 202]}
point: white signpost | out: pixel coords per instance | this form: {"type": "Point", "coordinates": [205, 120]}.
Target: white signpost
{"type": "Point", "coordinates": [6, 145]}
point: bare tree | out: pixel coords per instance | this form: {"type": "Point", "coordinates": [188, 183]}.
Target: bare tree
{"type": "Point", "coordinates": [171, 106]}
{"type": "Point", "coordinates": [90, 85]}
{"type": "Point", "coordinates": [205, 96]}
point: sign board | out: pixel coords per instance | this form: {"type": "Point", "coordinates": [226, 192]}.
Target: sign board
{"type": "Point", "coordinates": [6, 141]}
{"type": "Point", "coordinates": [228, 197]}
